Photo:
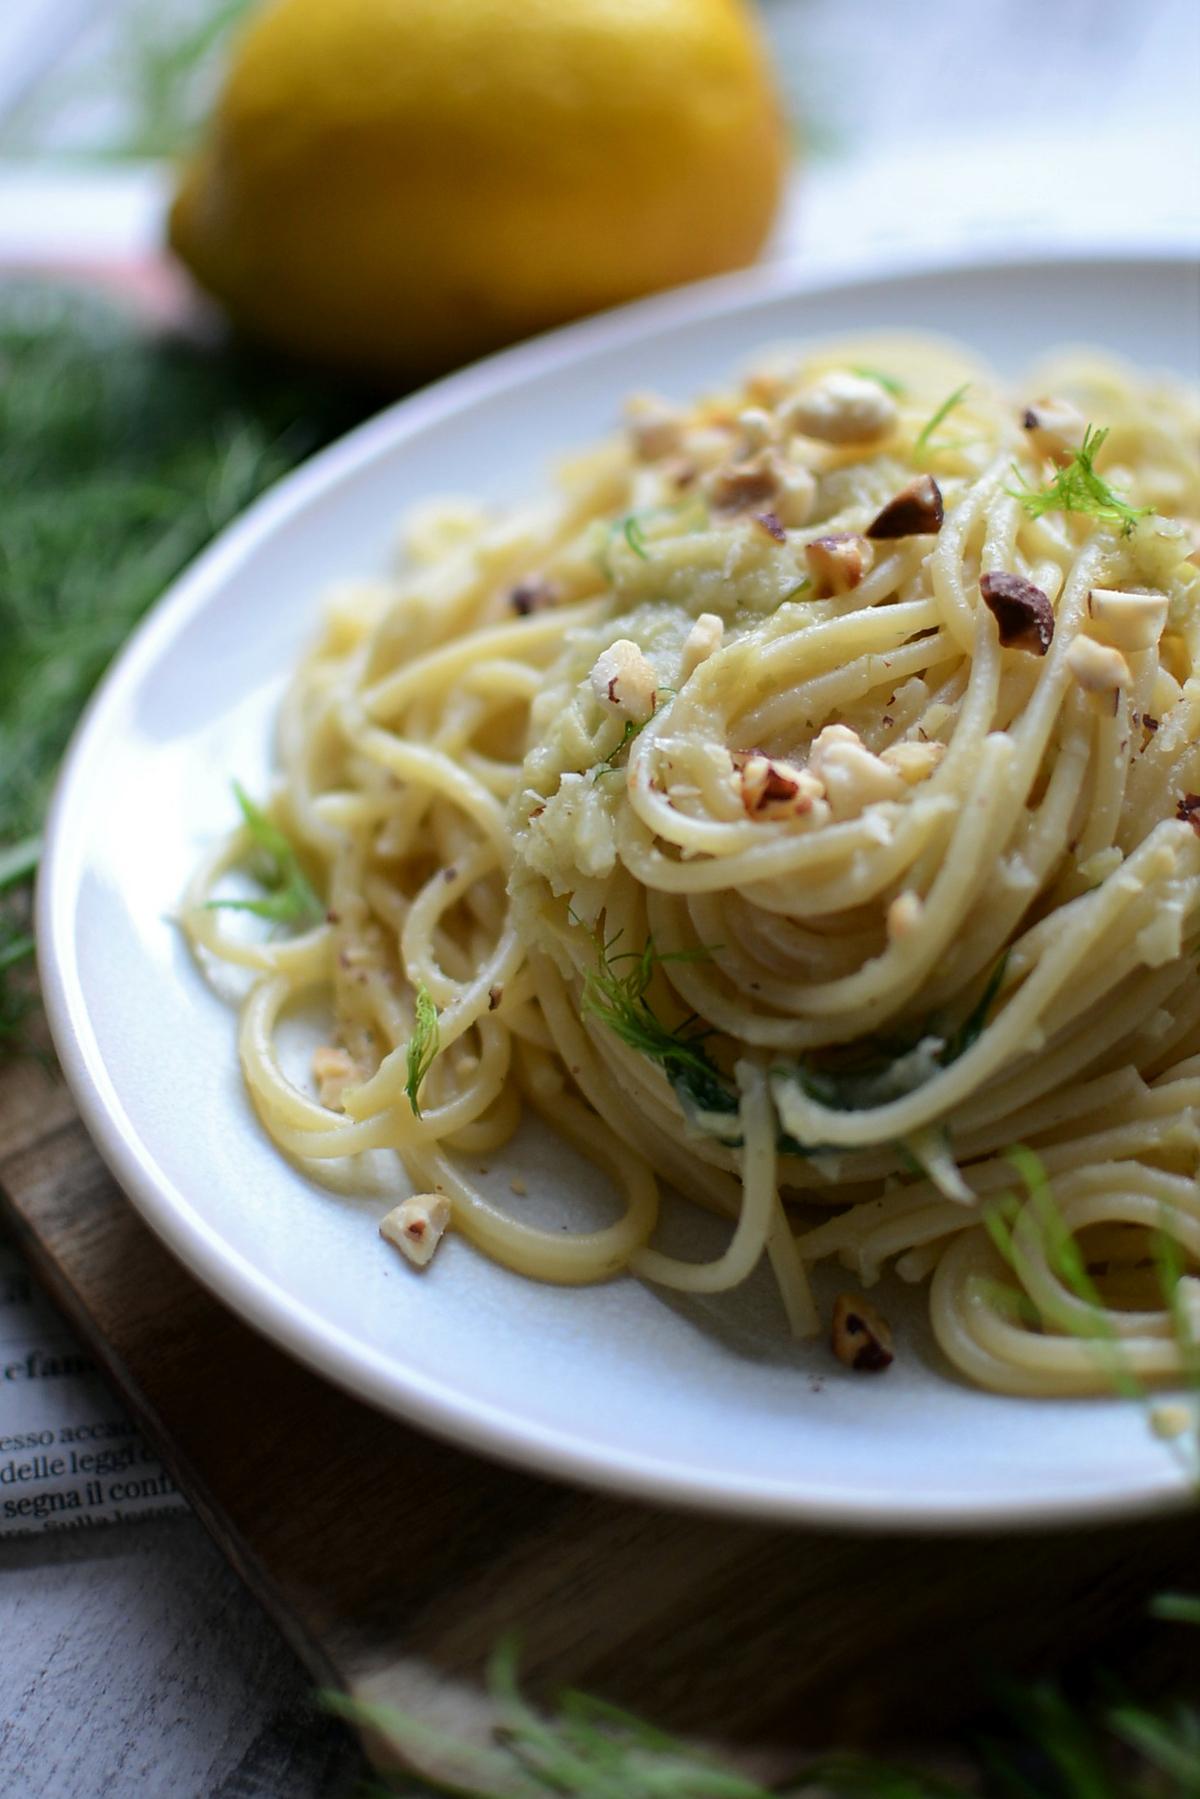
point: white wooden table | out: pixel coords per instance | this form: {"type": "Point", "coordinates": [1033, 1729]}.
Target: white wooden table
{"type": "Point", "coordinates": [131, 1658]}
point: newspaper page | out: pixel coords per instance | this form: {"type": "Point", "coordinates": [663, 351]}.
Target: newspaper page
{"type": "Point", "coordinates": [69, 1454]}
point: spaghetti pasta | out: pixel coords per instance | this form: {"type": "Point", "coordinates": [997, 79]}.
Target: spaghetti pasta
{"type": "Point", "coordinates": [799, 808]}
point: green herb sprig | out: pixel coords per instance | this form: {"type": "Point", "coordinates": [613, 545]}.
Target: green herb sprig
{"type": "Point", "coordinates": [1042, 1744]}
{"type": "Point", "coordinates": [690, 513]}
{"type": "Point", "coordinates": [607, 764]}
{"type": "Point", "coordinates": [588, 1750]}
{"type": "Point", "coordinates": [926, 444]}
{"type": "Point", "coordinates": [1077, 487]}
{"type": "Point", "coordinates": [891, 1068]}
{"type": "Point", "coordinates": [1066, 1261]}
{"type": "Point", "coordinates": [423, 1047]}
{"type": "Point", "coordinates": [618, 999]}
{"type": "Point", "coordinates": [633, 728]}
{"type": "Point", "coordinates": [972, 1026]}
{"type": "Point", "coordinates": [1064, 1258]}
{"type": "Point", "coordinates": [290, 898]}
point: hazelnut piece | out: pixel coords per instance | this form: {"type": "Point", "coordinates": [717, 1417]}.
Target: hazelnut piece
{"type": "Point", "coordinates": [1097, 667]}
{"type": "Point", "coordinates": [771, 789]}
{"type": "Point", "coordinates": [1055, 428]}
{"type": "Point", "coordinates": [916, 511]}
{"type": "Point", "coordinates": [655, 427]}
{"type": "Point", "coordinates": [837, 563]}
{"type": "Point", "coordinates": [701, 642]}
{"type": "Point", "coordinates": [623, 681]}
{"type": "Point", "coordinates": [1127, 621]}
{"type": "Point", "coordinates": [417, 1226]}
{"type": "Point", "coordinates": [1024, 616]}
{"type": "Point", "coordinates": [533, 594]}
{"type": "Point", "coordinates": [860, 1337]}
{"type": "Point", "coordinates": [841, 408]}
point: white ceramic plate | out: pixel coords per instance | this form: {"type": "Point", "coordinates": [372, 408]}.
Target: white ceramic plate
{"type": "Point", "coordinates": [706, 1403]}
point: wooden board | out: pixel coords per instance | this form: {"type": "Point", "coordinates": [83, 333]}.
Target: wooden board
{"type": "Point", "coordinates": [393, 1562]}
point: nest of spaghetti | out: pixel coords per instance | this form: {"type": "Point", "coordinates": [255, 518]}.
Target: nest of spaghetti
{"type": "Point", "coordinates": [798, 807]}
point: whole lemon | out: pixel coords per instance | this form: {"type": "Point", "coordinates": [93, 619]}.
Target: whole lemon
{"type": "Point", "coordinates": [399, 185]}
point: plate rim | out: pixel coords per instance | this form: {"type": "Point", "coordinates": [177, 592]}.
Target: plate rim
{"type": "Point", "coordinates": [474, 1424]}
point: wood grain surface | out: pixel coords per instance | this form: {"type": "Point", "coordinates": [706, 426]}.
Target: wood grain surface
{"type": "Point", "coordinates": [393, 1562]}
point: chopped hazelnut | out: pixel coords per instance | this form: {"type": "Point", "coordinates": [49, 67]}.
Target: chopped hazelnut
{"type": "Point", "coordinates": [417, 1226]}
{"type": "Point", "coordinates": [1055, 428]}
{"type": "Point", "coordinates": [624, 681]}
{"type": "Point", "coordinates": [680, 472]}
{"type": "Point", "coordinates": [916, 511]}
{"type": "Point", "coordinates": [757, 428]}
{"type": "Point", "coordinates": [763, 481]}
{"type": "Point", "coordinates": [1188, 810]}
{"type": "Point", "coordinates": [837, 563]}
{"type": "Point", "coordinates": [334, 1070]}
{"type": "Point", "coordinates": [852, 776]}
{"type": "Point", "coordinates": [861, 1337]}
{"type": "Point", "coordinates": [767, 384]}
{"type": "Point", "coordinates": [655, 427]}
{"type": "Point", "coordinates": [705, 446]}
{"type": "Point", "coordinates": [904, 915]}
{"type": "Point", "coordinates": [1127, 621]}
{"type": "Point", "coordinates": [913, 762]}
{"type": "Point", "coordinates": [533, 594]}
{"type": "Point", "coordinates": [771, 525]}
{"type": "Point", "coordinates": [774, 789]}
{"type": "Point", "coordinates": [840, 408]}
{"type": "Point", "coordinates": [738, 486]}
{"type": "Point", "coordinates": [1097, 667]}
{"type": "Point", "coordinates": [1024, 616]}
{"type": "Point", "coordinates": [797, 495]}
{"type": "Point", "coordinates": [701, 642]}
